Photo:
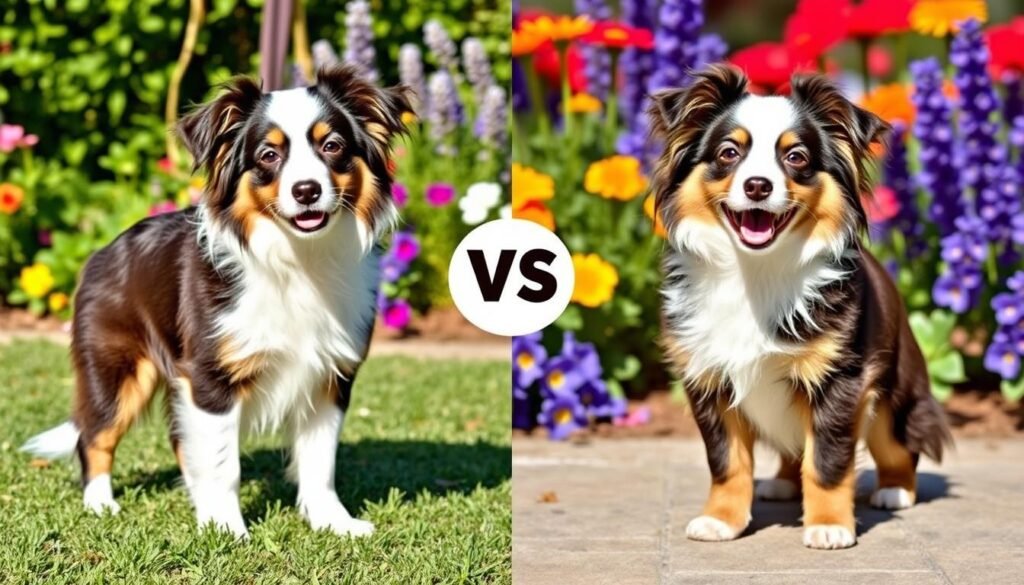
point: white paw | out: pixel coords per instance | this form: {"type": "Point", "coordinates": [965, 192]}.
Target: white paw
{"type": "Point", "coordinates": [710, 529]}
{"type": "Point", "coordinates": [326, 512]}
{"type": "Point", "coordinates": [777, 489]}
{"type": "Point", "coordinates": [828, 537]}
{"type": "Point", "coordinates": [892, 498]}
{"type": "Point", "coordinates": [230, 523]}
{"type": "Point", "coordinates": [99, 496]}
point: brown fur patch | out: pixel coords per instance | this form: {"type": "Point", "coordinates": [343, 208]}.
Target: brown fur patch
{"type": "Point", "coordinates": [251, 202]}
{"type": "Point", "coordinates": [241, 369]}
{"type": "Point", "coordinates": [824, 505]}
{"type": "Point", "coordinates": [320, 131]}
{"type": "Point", "coordinates": [788, 139]}
{"type": "Point", "coordinates": [789, 468]}
{"type": "Point", "coordinates": [275, 138]}
{"type": "Point", "coordinates": [815, 360]}
{"type": "Point", "coordinates": [132, 398]}
{"type": "Point", "coordinates": [368, 199]}
{"type": "Point", "coordinates": [740, 136]}
{"type": "Point", "coordinates": [730, 499]}
{"type": "Point", "coordinates": [896, 465]}
{"type": "Point", "coordinates": [822, 208]}
{"type": "Point", "coordinates": [697, 198]}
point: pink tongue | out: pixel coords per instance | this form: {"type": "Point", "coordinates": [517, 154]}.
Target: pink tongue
{"type": "Point", "coordinates": [309, 220]}
{"type": "Point", "coordinates": [757, 227]}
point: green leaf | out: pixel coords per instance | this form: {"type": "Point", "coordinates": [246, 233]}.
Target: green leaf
{"type": "Point", "coordinates": [949, 368]}
{"type": "Point", "coordinates": [943, 323]}
{"type": "Point", "coordinates": [924, 332]}
{"type": "Point", "coordinates": [571, 319]}
{"type": "Point", "coordinates": [116, 103]}
{"type": "Point", "coordinates": [941, 391]}
{"type": "Point", "coordinates": [1013, 390]}
{"type": "Point", "coordinates": [627, 369]}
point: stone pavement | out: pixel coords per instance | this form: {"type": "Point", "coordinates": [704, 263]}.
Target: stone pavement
{"type": "Point", "coordinates": [623, 505]}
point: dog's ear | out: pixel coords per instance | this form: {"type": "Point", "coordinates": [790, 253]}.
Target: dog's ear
{"type": "Point", "coordinates": [379, 110]}
{"type": "Point", "coordinates": [680, 113]}
{"type": "Point", "coordinates": [821, 98]}
{"type": "Point", "coordinates": [209, 130]}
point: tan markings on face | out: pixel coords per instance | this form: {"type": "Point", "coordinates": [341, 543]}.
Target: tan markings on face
{"type": "Point", "coordinates": [275, 138]}
{"type": "Point", "coordinates": [824, 504]}
{"type": "Point", "coordinates": [320, 131]}
{"type": "Point", "coordinates": [896, 467]}
{"type": "Point", "coordinates": [822, 208]}
{"type": "Point", "coordinates": [697, 198]}
{"type": "Point", "coordinates": [787, 140]}
{"type": "Point", "coordinates": [132, 397]}
{"type": "Point", "coordinates": [253, 201]}
{"type": "Point", "coordinates": [815, 360]}
{"type": "Point", "coordinates": [730, 498]}
{"type": "Point", "coordinates": [378, 131]}
{"type": "Point", "coordinates": [369, 200]}
{"type": "Point", "coordinates": [740, 136]}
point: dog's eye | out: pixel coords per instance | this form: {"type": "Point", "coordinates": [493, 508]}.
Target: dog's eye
{"type": "Point", "coordinates": [728, 155]}
{"type": "Point", "coordinates": [796, 159]}
{"type": "Point", "coordinates": [269, 157]}
{"type": "Point", "coordinates": [331, 147]}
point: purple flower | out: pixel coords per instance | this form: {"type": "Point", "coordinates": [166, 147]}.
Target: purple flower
{"type": "Point", "coordinates": [597, 62]}
{"type": "Point", "coordinates": [410, 72]}
{"type": "Point", "coordinates": [584, 354]}
{"type": "Point", "coordinates": [599, 402]}
{"type": "Point", "coordinates": [441, 46]}
{"type": "Point", "coordinates": [405, 247]}
{"type": "Point", "coordinates": [1016, 282]}
{"type": "Point", "coordinates": [520, 94]}
{"type": "Point", "coordinates": [563, 415]}
{"type": "Point", "coordinates": [477, 67]}
{"type": "Point", "coordinates": [444, 111]}
{"type": "Point", "coordinates": [397, 313]}
{"type": "Point", "coordinates": [359, 49]}
{"type": "Point", "coordinates": [440, 194]}
{"type": "Point", "coordinates": [978, 101]}
{"type": "Point", "coordinates": [933, 129]}
{"type": "Point", "coordinates": [676, 43]}
{"type": "Point", "coordinates": [561, 375]}
{"type": "Point", "coordinates": [324, 55]}
{"type": "Point", "coordinates": [907, 220]}
{"type": "Point", "coordinates": [392, 268]}
{"type": "Point", "coordinates": [1001, 357]}
{"type": "Point", "coordinates": [1008, 307]}
{"type": "Point", "coordinates": [491, 124]}
{"type": "Point", "coordinates": [711, 48]}
{"type": "Point", "coordinates": [528, 357]}
{"type": "Point", "coordinates": [399, 194]}
{"type": "Point", "coordinates": [1014, 104]}
{"type": "Point", "coordinates": [949, 291]}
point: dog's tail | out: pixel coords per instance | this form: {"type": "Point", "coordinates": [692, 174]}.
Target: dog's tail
{"type": "Point", "coordinates": [927, 429]}
{"type": "Point", "coordinates": [58, 442]}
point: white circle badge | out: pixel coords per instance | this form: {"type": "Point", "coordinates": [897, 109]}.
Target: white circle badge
{"type": "Point", "coordinates": [511, 277]}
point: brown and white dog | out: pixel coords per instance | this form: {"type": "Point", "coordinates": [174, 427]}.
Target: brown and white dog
{"type": "Point", "coordinates": [782, 326]}
{"type": "Point", "coordinates": [255, 308]}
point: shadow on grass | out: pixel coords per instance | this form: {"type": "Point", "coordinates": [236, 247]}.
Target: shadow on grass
{"type": "Point", "coordinates": [930, 487]}
{"type": "Point", "coordinates": [366, 471]}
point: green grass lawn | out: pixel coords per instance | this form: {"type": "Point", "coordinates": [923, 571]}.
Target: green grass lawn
{"type": "Point", "coordinates": [425, 455]}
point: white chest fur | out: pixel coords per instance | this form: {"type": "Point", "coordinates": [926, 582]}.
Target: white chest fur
{"type": "Point", "coordinates": [305, 308]}
{"type": "Point", "coordinates": [725, 317]}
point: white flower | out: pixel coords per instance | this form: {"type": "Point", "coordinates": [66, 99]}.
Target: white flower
{"type": "Point", "coordinates": [505, 212]}
{"type": "Point", "coordinates": [478, 202]}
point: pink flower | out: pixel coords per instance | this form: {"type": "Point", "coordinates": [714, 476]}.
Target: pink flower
{"type": "Point", "coordinates": [165, 165]}
{"type": "Point", "coordinates": [45, 238]}
{"type": "Point", "coordinates": [400, 194]}
{"type": "Point", "coordinates": [405, 247]}
{"type": "Point", "coordinates": [13, 136]}
{"type": "Point", "coordinates": [162, 208]}
{"type": "Point", "coordinates": [883, 206]}
{"type": "Point", "coordinates": [397, 314]}
{"type": "Point", "coordinates": [634, 418]}
{"type": "Point", "coordinates": [440, 194]}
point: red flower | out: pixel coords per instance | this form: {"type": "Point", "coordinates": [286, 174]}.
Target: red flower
{"type": "Point", "coordinates": [879, 61]}
{"type": "Point", "coordinates": [816, 26]}
{"type": "Point", "coordinates": [1004, 43]}
{"type": "Point", "coordinates": [613, 35]}
{"type": "Point", "coordinates": [882, 206]}
{"type": "Point", "coordinates": [769, 65]}
{"type": "Point", "coordinates": [872, 18]}
{"type": "Point", "coordinates": [545, 62]}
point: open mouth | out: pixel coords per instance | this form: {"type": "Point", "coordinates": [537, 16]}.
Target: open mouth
{"type": "Point", "coordinates": [757, 228]}
{"type": "Point", "coordinates": [310, 221]}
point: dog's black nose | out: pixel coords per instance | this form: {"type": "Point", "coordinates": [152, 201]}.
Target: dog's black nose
{"type": "Point", "coordinates": [757, 188]}
{"type": "Point", "coordinates": [306, 192]}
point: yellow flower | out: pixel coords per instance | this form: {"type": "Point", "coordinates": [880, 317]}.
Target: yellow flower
{"type": "Point", "coordinates": [409, 118]}
{"type": "Point", "coordinates": [557, 28]}
{"type": "Point", "coordinates": [939, 18]}
{"type": "Point", "coordinates": [584, 103]}
{"type": "Point", "coordinates": [530, 185]}
{"type": "Point", "coordinates": [11, 197]}
{"type": "Point", "coordinates": [57, 301]}
{"type": "Point", "coordinates": [595, 280]}
{"type": "Point", "coordinates": [659, 227]}
{"type": "Point", "coordinates": [616, 177]}
{"type": "Point", "coordinates": [36, 280]}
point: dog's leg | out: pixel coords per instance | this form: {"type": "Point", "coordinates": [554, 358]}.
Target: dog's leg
{"type": "Point", "coordinates": [828, 476]}
{"type": "Point", "coordinates": [209, 455]}
{"type": "Point", "coordinates": [314, 447]}
{"type": "Point", "coordinates": [786, 483]}
{"type": "Point", "coordinates": [104, 417]}
{"type": "Point", "coordinates": [730, 450]}
{"type": "Point", "coordinates": [897, 466]}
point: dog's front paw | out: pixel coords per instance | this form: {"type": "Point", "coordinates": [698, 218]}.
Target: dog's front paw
{"type": "Point", "coordinates": [99, 496]}
{"type": "Point", "coordinates": [892, 498]}
{"type": "Point", "coordinates": [327, 513]}
{"type": "Point", "coordinates": [777, 489]}
{"type": "Point", "coordinates": [828, 537]}
{"type": "Point", "coordinates": [230, 523]}
{"type": "Point", "coordinates": [710, 529]}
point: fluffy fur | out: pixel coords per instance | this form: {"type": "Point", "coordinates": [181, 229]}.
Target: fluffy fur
{"type": "Point", "coordinates": [254, 309]}
{"type": "Point", "coordinates": [781, 324]}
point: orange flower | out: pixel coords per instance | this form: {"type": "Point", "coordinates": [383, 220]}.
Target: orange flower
{"type": "Point", "coordinates": [616, 177]}
{"type": "Point", "coordinates": [530, 185]}
{"type": "Point", "coordinates": [524, 43]}
{"type": "Point", "coordinates": [584, 103]}
{"type": "Point", "coordinates": [536, 212]}
{"type": "Point", "coordinates": [659, 227]}
{"type": "Point", "coordinates": [11, 197]}
{"type": "Point", "coordinates": [891, 103]}
{"type": "Point", "coordinates": [557, 28]}
{"type": "Point", "coordinates": [939, 18]}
